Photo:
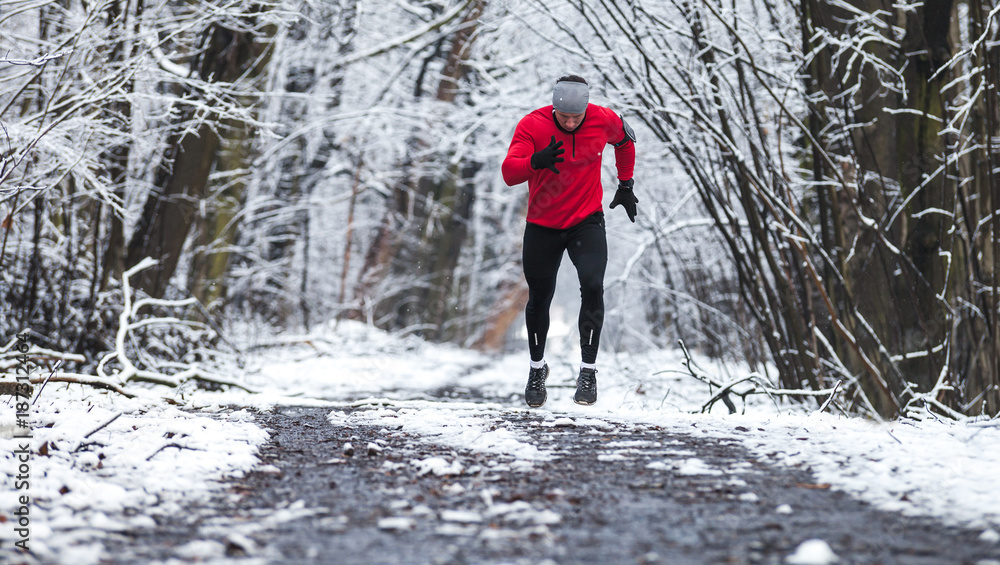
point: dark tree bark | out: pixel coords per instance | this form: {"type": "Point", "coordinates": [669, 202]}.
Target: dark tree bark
{"type": "Point", "coordinates": [182, 180]}
{"type": "Point", "coordinates": [116, 158]}
{"type": "Point", "coordinates": [423, 235]}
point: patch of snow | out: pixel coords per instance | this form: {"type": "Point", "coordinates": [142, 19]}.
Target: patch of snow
{"type": "Point", "coordinates": [990, 536]}
{"type": "Point", "coordinates": [200, 550]}
{"type": "Point", "coordinates": [522, 513]}
{"type": "Point", "coordinates": [634, 443]}
{"type": "Point", "coordinates": [457, 530]}
{"type": "Point", "coordinates": [695, 466]}
{"type": "Point", "coordinates": [472, 427]}
{"type": "Point", "coordinates": [455, 489]}
{"type": "Point", "coordinates": [96, 458]}
{"type": "Point", "coordinates": [813, 552]}
{"type": "Point", "coordinates": [438, 466]}
{"type": "Point", "coordinates": [397, 523]}
{"type": "Point", "coordinates": [461, 516]}
{"type": "Point", "coordinates": [595, 423]}
{"type": "Point", "coordinates": [522, 465]}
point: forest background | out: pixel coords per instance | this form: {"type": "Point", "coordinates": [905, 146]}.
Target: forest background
{"type": "Point", "coordinates": [817, 181]}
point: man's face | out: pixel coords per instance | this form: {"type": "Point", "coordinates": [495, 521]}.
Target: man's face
{"type": "Point", "coordinates": [569, 122]}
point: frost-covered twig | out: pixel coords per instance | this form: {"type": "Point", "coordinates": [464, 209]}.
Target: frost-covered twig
{"type": "Point", "coordinates": [37, 61]}
{"type": "Point", "coordinates": [81, 444]}
{"type": "Point", "coordinates": [89, 380]}
{"type": "Point", "coordinates": [45, 381]}
{"type": "Point", "coordinates": [836, 387]}
{"type": "Point", "coordinates": [759, 386]}
{"type": "Point", "coordinates": [102, 426]}
{"type": "Point", "coordinates": [177, 445]}
{"type": "Point", "coordinates": [130, 372]}
{"type": "Point", "coordinates": [434, 25]}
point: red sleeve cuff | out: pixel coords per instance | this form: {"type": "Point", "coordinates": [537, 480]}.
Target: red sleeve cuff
{"type": "Point", "coordinates": [625, 160]}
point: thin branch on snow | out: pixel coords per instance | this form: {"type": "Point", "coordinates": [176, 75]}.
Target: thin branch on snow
{"type": "Point", "coordinates": [758, 386]}
{"type": "Point", "coordinates": [169, 445]}
{"type": "Point", "coordinates": [89, 380]}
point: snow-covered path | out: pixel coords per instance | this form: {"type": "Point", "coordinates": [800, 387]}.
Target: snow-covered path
{"type": "Point", "coordinates": [446, 482]}
{"type": "Point", "coordinates": [153, 461]}
{"type": "Point", "coordinates": [934, 468]}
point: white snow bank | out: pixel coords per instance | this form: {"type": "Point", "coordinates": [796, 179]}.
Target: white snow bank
{"type": "Point", "coordinates": [941, 469]}
{"type": "Point", "coordinates": [150, 459]}
{"type": "Point", "coordinates": [932, 468]}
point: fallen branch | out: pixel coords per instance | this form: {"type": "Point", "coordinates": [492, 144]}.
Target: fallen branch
{"type": "Point", "coordinates": [129, 372]}
{"type": "Point", "coordinates": [758, 386]}
{"type": "Point", "coordinates": [191, 373]}
{"type": "Point", "coordinates": [10, 358]}
{"type": "Point", "coordinates": [836, 387]}
{"type": "Point", "coordinates": [724, 393]}
{"type": "Point", "coordinates": [89, 380]}
{"type": "Point", "coordinates": [177, 445]}
{"type": "Point", "coordinates": [102, 426]}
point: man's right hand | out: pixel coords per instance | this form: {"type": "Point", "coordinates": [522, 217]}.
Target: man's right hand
{"type": "Point", "coordinates": [548, 157]}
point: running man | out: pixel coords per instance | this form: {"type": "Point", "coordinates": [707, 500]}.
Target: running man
{"type": "Point", "coordinates": [557, 149]}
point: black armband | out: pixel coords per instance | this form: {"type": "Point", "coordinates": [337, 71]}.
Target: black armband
{"type": "Point", "coordinates": [629, 134]}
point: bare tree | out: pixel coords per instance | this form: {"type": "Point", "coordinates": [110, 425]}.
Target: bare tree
{"type": "Point", "coordinates": [847, 175]}
{"type": "Point", "coordinates": [228, 57]}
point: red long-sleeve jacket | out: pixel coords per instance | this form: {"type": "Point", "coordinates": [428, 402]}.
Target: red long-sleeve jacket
{"type": "Point", "coordinates": [565, 199]}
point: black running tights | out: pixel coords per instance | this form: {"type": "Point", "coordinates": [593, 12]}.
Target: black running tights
{"type": "Point", "coordinates": [587, 245]}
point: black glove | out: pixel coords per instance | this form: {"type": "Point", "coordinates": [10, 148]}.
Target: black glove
{"type": "Point", "coordinates": [548, 157]}
{"type": "Point", "coordinates": [626, 198]}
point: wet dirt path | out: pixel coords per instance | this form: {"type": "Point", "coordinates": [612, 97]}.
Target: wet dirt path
{"type": "Point", "coordinates": [613, 493]}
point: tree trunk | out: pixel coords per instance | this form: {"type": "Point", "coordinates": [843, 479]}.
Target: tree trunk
{"type": "Point", "coordinates": [422, 238]}
{"type": "Point", "coordinates": [926, 236]}
{"type": "Point", "coordinates": [116, 158]}
{"type": "Point", "coordinates": [170, 209]}
{"type": "Point", "coordinates": [182, 181]}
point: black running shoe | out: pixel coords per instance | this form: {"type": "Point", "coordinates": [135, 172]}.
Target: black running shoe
{"type": "Point", "coordinates": [534, 393]}
{"type": "Point", "coordinates": [586, 387]}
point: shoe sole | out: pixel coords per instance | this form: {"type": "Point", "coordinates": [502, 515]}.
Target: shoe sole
{"type": "Point", "coordinates": [542, 403]}
{"type": "Point", "coordinates": [544, 398]}
{"type": "Point", "coordinates": [582, 403]}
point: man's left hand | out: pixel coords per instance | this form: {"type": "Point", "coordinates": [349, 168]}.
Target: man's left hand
{"type": "Point", "coordinates": [626, 198]}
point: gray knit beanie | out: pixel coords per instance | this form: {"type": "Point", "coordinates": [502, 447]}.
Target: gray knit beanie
{"type": "Point", "coordinates": [571, 95]}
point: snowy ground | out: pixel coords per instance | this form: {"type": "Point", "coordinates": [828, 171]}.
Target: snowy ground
{"type": "Point", "coordinates": [154, 458]}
